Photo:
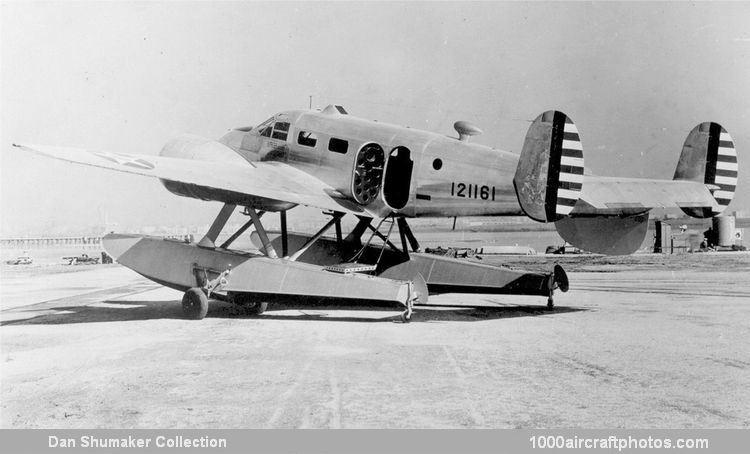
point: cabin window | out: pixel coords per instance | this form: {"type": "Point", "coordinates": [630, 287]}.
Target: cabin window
{"type": "Point", "coordinates": [338, 145]}
{"type": "Point", "coordinates": [280, 130]}
{"type": "Point", "coordinates": [437, 164]}
{"type": "Point", "coordinates": [307, 139]}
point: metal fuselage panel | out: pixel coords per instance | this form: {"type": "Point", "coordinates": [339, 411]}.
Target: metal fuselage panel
{"type": "Point", "coordinates": [449, 177]}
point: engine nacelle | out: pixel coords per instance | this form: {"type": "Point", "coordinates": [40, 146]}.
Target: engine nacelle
{"type": "Point", "coordinates": [189, 146]}
{"type": "Point", "coordinates": [192, 147]}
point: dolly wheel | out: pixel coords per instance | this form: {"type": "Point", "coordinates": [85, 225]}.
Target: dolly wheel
{"type": "Point", "coordinates": [406, 315]}
{"type": "Point", "coordinates": [247, 303]}
{"type": "Point", "coordinates": [195, 304]}
{"type": "Point", "coordinates": [258, 308]}
{"type": "Point", "coordinates": [561, 278]}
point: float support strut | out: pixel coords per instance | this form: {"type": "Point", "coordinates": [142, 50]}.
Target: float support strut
{"type": "Point", "coordinates": [316, 237]}
{"type": "Point", "coordinates": [267, 246]}
{"type": "Point", "coordinates": [209, 240]}
{"type": "Point", "coordinates": [404, 227]}
{"type": "Point", "coordinates": [236, 234]}
{"type": "Point", "coordinates": [284, 239]}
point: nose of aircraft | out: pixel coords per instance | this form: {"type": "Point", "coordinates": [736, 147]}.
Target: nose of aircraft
{"type": "Point", "coordinates": [117, 244]}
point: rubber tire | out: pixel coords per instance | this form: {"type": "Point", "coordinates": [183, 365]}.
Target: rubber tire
{"type": "Point", "coordinates": [561, 277]}
{"type": "Point", "coordinates": [195, 304]}
{"type": "Point", "coordinates": [245, 301]}
{"type": "Point", "coordinates": [258, 308]}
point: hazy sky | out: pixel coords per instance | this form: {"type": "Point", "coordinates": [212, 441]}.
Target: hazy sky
{"type": "Point", "coordinates": [125, 77]}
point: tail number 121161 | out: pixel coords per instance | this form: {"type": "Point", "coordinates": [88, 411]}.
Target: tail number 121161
{"type": "Point", "coordinates": [473, 191]}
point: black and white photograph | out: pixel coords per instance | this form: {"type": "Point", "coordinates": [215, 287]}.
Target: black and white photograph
{"type": "Point", "coordinates": [374, 215]}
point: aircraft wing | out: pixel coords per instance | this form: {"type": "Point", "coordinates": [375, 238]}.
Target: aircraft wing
{"type": "Point", "coordinates": [601, 195]}
{"type": "Point", "coordinates": [275, 181]}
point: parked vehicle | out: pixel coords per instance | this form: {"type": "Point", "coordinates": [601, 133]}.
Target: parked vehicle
{"type": "Point", "coordinates": [21, 260]}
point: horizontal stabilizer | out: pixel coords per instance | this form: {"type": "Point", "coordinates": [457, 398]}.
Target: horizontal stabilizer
{"type": "Point", "coordinates": [614, 196]}
{"type": "Point", "coordinates": [610, 235]}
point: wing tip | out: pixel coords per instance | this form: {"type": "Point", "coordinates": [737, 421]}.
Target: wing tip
{"type": "Point", "coordinates": [29, 148]}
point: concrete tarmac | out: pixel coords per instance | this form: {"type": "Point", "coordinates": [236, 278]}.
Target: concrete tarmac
{"type": "Point", "coordinates": [645, 343]}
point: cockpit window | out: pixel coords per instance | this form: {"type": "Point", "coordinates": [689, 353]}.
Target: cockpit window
{"type": "Point", "coordinates": [280, 130]}
{"type": "Point", "coordinates": [307, 139]}
{"type": "Point", "coordinates": [265, 128]}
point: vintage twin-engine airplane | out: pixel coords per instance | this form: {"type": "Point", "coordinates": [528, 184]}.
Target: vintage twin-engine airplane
{"type": "Point", "coordinates": [345, 165]}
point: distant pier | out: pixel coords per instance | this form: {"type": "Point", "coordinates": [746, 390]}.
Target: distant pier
{"type": "Point", "coordinates": [40, 242]}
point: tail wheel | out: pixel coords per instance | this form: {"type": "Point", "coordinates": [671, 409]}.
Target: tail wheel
{"type": "Point", "coordinates": [195, 304]}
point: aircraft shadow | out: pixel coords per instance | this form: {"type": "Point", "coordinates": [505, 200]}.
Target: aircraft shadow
{"type": "Point", "coordinates": [123, 311]}
{"type": "Point", "coordinates": [105, 311]}
{"type": "Point", "coordinates": [424, 314]}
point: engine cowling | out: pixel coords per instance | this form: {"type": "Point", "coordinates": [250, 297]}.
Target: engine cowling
{"type": "Point", "coordinates": [198, 148]}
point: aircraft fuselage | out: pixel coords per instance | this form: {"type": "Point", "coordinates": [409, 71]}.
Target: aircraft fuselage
{"type": "Point", "coordinates": [386, 167]}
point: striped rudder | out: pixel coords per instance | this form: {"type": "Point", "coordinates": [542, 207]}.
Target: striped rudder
{"type": "Point", "coordinates": [549, 176]}
{"type": "Point", "coordinates": [709, 156]}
